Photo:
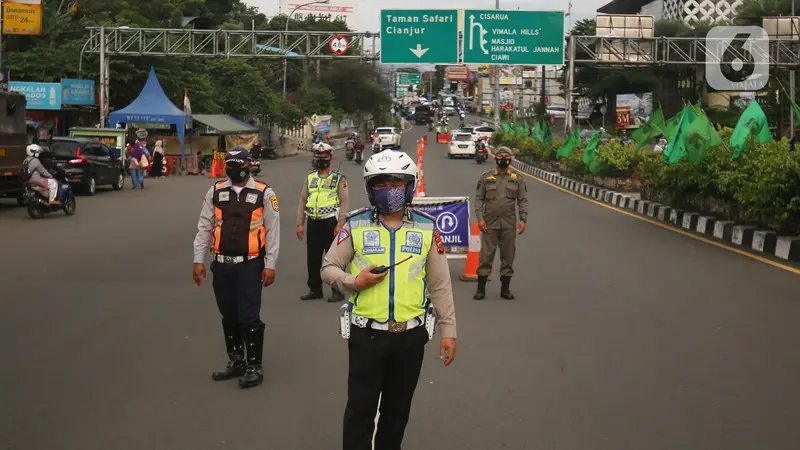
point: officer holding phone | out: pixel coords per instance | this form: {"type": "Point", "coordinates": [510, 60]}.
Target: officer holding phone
{"type": "Point", "coordinates": [390, 260]}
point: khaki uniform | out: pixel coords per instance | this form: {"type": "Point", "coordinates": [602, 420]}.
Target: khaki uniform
{"type": "Point", "coordinates": [498, 198]}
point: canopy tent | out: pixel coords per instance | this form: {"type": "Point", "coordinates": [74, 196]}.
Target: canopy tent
{"type": "Point", "coordinates": [224, 123]}
{"type": "Point", "coordinates": [153, 107]}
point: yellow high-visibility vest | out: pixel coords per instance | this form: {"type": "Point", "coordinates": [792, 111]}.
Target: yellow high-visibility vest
{"type": "Point", "coordinates": [323, 196]}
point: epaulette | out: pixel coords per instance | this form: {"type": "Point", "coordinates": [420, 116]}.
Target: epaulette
{"type": "Point", "coordinates": [359, 211]}
{"type": "Point", "coordinates": [423, 215]}
{"type": "Point", "coordinates": [513, 175]}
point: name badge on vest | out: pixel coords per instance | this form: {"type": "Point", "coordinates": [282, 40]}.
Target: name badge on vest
{"type": "Point", "coordinates": [313, 183]}
{"type": "Point", "coordinates": [251, 198]}
{"type": "Point", "coordinates": [224, 196]}
{"type": "Point", "coordinates": [372, 243]}
{"type": "Point", "coordinates": [413, 243]}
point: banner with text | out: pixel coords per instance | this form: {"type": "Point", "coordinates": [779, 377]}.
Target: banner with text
{"type": "Point", "coordinates": [452, 217]}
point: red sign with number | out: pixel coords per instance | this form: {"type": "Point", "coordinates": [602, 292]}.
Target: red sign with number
{"type": "Point", "coordinates": [339, 45]}
{"type": "Point", "coordinates": [623, 116]}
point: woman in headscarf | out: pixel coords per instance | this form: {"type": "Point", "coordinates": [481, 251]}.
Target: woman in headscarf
{"type": "Point", "coordinates": [136, 167]}
{"type": "Point", "coordinates": [156, 170]}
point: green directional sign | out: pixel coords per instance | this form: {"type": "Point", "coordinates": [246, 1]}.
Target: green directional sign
{"type": "Point", "coordinates": [401, 91]}
{"type": "Point", "coordinates": [411, 36]}
{"type": "Point", "coordinates": [407, 79]}
{"type": "Point", "coordinates": [513, 37]}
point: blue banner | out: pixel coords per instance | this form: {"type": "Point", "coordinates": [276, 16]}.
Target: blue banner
{"type": "Point", "coordinates": [452, 219]}
{"type": "Point", "coordinates": [39, 95]}
{"type": "Point", "coordinates": [324, 126]}
{"type": "Point", "coordinates": [78, 92]}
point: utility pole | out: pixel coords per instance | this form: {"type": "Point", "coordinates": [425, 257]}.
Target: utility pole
{"type": "Point", "coordinates": [496, 107]}
{"type": "Point", "coordinates": [791, 83]}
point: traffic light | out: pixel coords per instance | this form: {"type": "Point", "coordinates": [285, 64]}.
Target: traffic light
{"type": "Point", "coordinates": [573, 108]}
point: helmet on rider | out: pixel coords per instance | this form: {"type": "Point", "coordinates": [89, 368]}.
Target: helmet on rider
{"type": "Point", "coordinates": [390, 179]}
{"type": "Point", "coordinates": [323, 154]}
{"type": "Point", "coordinates": [34, 150]}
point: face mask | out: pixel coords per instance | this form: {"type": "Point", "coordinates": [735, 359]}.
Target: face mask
{"type": "Point", "coordinates": [320, 164]}
{"type": "Point", "coordinates": [390, 200]}
{"type": "Point", "coordinates": [237, 174]}
{"type": "Point", "coordinates": [502, 163]}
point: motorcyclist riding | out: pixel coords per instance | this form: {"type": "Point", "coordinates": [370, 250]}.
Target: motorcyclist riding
{"type": "Point", "coordinates": [38, 174]}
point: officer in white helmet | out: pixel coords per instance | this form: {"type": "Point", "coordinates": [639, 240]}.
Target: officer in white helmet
{"type": "Point", "coordinates": [391, 262]}
{"type": "Point", "coordinates": [38, 174]}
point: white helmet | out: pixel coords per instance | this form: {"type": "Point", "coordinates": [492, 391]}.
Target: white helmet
{"type": "Point", "coordinates": [34, 150]}
{"type": "Point", "coordinates": [321, 147]}
{"type": "Point", "coordinates": [390, 164]}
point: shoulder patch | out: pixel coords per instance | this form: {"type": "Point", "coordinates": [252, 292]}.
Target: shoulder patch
{"type": "Point", "coordinates": [437, 238]}
{"type": "Point", "coordinates": [356, 212]}
{"type": "Point", "coordinates": [344, 182]}
{"type": "Point", "coordinates": [274, 200]}
{"type": "Point", "coordinates": [343, 235]}
{"type": "Point", "coordinates": [513, 176]}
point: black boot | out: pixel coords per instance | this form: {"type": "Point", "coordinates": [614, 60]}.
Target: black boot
{"type": "Point", "coordinates": [312, 295]}
{"type": "Point", "coordinates": [335, 297]}
{"type": "Point", "coordinates": [505, 292]}
{"type": "Point", "coordinates": [254, 340]}
{"type": "Point", "coordinates": [480, 294]}
{"type": "Point", "coordinates": [235, 349]}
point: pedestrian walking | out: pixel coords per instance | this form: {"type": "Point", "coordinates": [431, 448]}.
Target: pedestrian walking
{"type": "Point", "coordinates": [501, 196]}
{"type": "Point", "coordinates": [137, 164]}
{"type": "Point", "coordinates": [239, 223]}
{"type": "Point", "coordinates": [157, 168]}
{"type": "Point", "coordinates": [391, 261]}
{"type": "Point", "coordinates": [323, 210]}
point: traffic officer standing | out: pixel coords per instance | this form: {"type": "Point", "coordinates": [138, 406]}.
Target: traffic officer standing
{"type": "Point", "coordinates": [500, 193]}
{"type": "Point", "coordinates": [239, 222]}
{"type": "Point", "coordinates": [388, 320]}
{"type": "Point", "coordinates": [323, 201]}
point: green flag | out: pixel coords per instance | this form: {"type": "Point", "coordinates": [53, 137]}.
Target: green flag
{"type": "Point", "coordinates": [699, 138]}
{"type": "Point", "coordinates": [541, 132]}
{"type": "Point", "coordinates": [590, 153]}
{"type": "Point", "coordinates": [570, 144]}
{"type": "Point", "coordinates": [796, 113]}
{"type": "Point", "coordinates": [672, 125]}
{"type": "Point", "coordinates": [652, 129]}
{"type": "Point", "coordinates": [753, 122]}
{"type": "Point", "coordinates": [676, 150]}
{"type": "Point", "coordinates": [506, 128]}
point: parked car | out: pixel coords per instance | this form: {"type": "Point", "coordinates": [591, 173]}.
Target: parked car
{"type": "Point", "coordinates": [461, 144]}
{"type": "Point", "coordinates": [88, 163]}
{"type": "Point", "coordinates": [484, 131]}
{"type": "Point", "coordinates": [389, 136]}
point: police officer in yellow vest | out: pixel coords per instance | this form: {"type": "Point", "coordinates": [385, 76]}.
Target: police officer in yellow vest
{"type": "Point", "coordinates": [390, 260]}
{"type": "Point", "coordinates": [323, 209]}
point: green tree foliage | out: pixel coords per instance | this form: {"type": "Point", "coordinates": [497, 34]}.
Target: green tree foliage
{"type": "Point", "coordinates": [243, 88]}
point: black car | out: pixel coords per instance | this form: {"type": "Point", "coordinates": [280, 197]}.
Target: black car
{"type": "Point", "coordinates": [87, 163]}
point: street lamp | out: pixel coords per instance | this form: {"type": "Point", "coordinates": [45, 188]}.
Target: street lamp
{"type": "Point", "coordinates": [285, 38]}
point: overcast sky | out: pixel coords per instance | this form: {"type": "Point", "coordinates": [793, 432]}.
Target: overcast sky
{"type": "Point", "coordinates": [369, 10]}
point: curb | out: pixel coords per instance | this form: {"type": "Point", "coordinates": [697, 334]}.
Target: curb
{"type": "Point", "coordinates": [764, 241]}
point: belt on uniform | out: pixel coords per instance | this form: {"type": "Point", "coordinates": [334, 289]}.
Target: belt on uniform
{"type": "Point", "coordinates": [222, 259]}
{"type": "Point", "coordinates": [390, 326]}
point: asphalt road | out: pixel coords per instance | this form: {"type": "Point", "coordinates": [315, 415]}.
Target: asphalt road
{"type": "Point", "coordinates": [623, 336]}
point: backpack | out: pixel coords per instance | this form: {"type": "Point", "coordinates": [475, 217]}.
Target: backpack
{"type": "Point", "coordinates": [24, 173]}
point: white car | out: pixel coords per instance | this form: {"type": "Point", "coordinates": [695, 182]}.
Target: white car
{"type": "Point", "coordinates": [480, 132]}
{"type": "Point", "coordinates": [461, 144]}
{"type": "Point", "coordinates": [389, 136]}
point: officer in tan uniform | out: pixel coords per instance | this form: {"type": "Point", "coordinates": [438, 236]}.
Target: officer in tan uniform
{"type": "Point", "coordinates": [500, 194]}
{"type": "Point", "coordinates": [391, 261]}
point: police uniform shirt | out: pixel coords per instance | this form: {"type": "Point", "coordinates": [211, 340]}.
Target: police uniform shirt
{"type": "Point", "coordinates": [207, 224]}
{"type": "Point", "coordinates": [341, 191]}
{"type": "Point", "coordinates": [497, 197]}
{"type": "Point", "coordinates": [440, 290]}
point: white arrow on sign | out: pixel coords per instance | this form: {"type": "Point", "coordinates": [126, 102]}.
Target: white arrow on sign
{"type": "Point", "coordinates": [419, 51]}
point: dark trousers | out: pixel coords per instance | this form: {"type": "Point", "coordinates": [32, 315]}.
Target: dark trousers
{"type": "Point", "coordinates": [319, 237]}
{"type": "Point", "coordinates": [238, 291]}
{"type": "Point", "coordinates": [385, 365]}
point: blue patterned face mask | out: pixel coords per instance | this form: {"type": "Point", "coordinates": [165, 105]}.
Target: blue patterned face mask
{"type": "Point", "coordinates": [390, 200]}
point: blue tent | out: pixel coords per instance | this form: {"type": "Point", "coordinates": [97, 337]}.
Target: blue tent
{"type": "Point", "coordinates": [152, 106]}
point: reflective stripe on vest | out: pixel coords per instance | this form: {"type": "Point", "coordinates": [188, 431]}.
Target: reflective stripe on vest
{"type": "Point", "coordinates": [239, 226]}
{"type": "Point", "coordinates": [401, 296]}
{"type": "Point", "coordinates": [323, 196]}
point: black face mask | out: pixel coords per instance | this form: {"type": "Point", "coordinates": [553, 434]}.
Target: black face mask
{"type": "Point", "coordinates": [321, 164]}
{"type": "Point", "coordinates": [502, 163]}
{"type": "Point", "coordinates": [237, 174]}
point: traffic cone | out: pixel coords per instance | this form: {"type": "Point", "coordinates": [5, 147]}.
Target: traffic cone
{"type": "Point", "coordinates": [421, 188]}
{"type": "Point", "coordinates": [473, 255]}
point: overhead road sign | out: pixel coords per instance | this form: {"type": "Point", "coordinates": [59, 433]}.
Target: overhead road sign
{"type": "Point", "coordinates": [407, 79]}
{"type": "Point", "coordinates": [513, 37]}
{"type": "Point", "coordinates": [339, 45]}
{"type": "Point", "coordinates": [412, 36]}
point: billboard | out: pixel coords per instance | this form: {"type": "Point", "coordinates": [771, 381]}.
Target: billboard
{"type": "Point", "coordinates": [333, 11]}
{"type": "Point", "coordinates": [78, 92]}
{"type": "Point", "coordinates": [633, 110]}
{"type": "Point", "coordinates": [456, 73]}
{"type": "Point", "coordinates": [38, 95]}
{"type": "Point", "coordinates": [22, 17]}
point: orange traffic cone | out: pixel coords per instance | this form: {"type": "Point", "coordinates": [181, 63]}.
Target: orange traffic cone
{"type": "Point", "coordinates": [473, 255]}
{"type": "Point", "coordinates": [421, 188]}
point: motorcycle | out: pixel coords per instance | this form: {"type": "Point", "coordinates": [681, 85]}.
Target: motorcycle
{"type": "Point", "coordinates": [269, 152]}
{"type": "Point", "coordinates": [376, 148]}
{"type": "Point", "coordinates": [430, 126]}
{"type": "Point", "coordinates": [481, 153]}
{"type": "Point", "coordinates": [255, 167]}
{"type": "Point", "coordinates": [349, 149]}
{"type": "Point", "coordinates": [359, 153]}
{"type": "Point", "coordinates": [37, 200]}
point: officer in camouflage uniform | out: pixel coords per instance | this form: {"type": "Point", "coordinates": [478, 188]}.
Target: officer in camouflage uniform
{"type": "Point", "coordinates": [500, 193]}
